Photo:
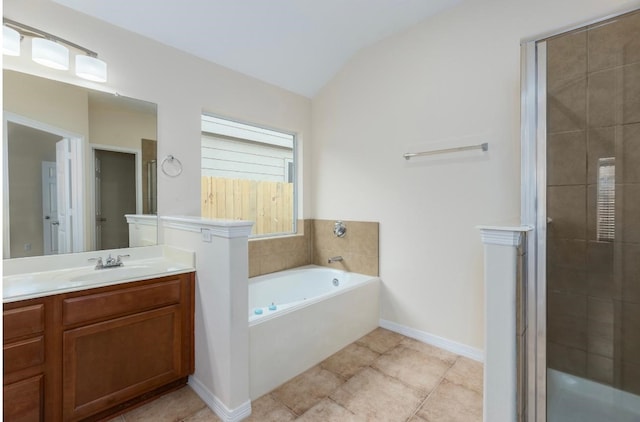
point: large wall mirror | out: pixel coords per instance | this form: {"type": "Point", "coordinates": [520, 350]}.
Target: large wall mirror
{"type": "Point", "coordinates": [79, 168]}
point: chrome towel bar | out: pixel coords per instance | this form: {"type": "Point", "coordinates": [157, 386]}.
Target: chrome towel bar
{"type": "Point", "coordinates": [483, 147]}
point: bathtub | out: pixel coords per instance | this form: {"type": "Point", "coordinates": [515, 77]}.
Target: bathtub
{"type": "Point", "coordinates": [299, 317]}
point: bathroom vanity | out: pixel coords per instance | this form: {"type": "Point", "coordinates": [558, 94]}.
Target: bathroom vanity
{"type": "Point", "coordinates": [91, 349]}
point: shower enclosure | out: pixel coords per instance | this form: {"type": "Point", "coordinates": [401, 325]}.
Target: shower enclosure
{"type": "Point", "coordinates": [581, 179]}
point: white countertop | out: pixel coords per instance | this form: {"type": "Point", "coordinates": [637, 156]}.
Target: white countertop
{"type": "Point", "coordinates": [28, 278]}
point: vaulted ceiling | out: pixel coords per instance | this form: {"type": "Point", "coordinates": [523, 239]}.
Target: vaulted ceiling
{"type": "Point", "coordinates": [298, 45]}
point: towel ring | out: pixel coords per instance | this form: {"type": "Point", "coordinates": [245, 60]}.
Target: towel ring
{"type": "Point", "coordinates": [173, 164]}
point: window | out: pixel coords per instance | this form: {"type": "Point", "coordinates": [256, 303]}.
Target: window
{"type": "Point", "coordinates": [606, 199]}
{"type": "Point", "coordinates": [248, 173]}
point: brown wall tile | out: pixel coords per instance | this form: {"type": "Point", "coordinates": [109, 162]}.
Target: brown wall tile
{"type": "Point", "coordinates": [567, 330]}
{"type": "Point", "coordinates": [614, 44]}
{"type": "Point", "coordinates": [566, 158]}
{"type": "Point", "coordinates": [600, 368]}
{"type": "Point", "coordinates": [604, 97]}
{"type": "Point", "coordinates": [601, 144]}
{"type": "Point", "coordinates": [567, 106]}
{"type": "Point", "coordinates": [567, 253]}
{"type": "Point", "coordinates": [358, 248]}
{"type": "Point", "coordinates": [567, 57]}
{"type": "Point", "coordinates": [602, 342]}
{"type": "Point", "coordinates": [629, 205]}
{"type": "Point", "coordinates": [631, 272]}
{"type": "Point", "coordinates": [629, 166]}
{"type": "Point", "coordinates": [567, 280]}
{"type": "Point", "coordinates": [631, 378]}
{"type": "Point", "coordinates": [630, 330]}
{"type": "Point", "coordinates": [567, 207]}
{"type": "Point", "coordinates": [631, 94]}
{"type": "Point", "coordinates": [567, 359]}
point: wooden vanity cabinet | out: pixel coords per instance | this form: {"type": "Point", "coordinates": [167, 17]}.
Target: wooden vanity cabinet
{"type": "Point", "coordinates": [28, 348]}
{"type": "Point", "coordinates": [115, 347]}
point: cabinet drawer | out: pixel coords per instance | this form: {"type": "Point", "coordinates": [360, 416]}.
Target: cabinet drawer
{"type": "Point", "coordinates": [23, 354]}
{"type": "Point", "coordinates": [120, 302]}
{"type": "Point", "coordinates": [20, 322]}
{"type": "Point", "coordinates": [23, 400]}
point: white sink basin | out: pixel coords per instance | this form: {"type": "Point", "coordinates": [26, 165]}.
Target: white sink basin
{"type": "Point", "coordinates": [28, 285]}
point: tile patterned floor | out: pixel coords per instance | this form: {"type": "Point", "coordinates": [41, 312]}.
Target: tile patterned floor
{"type": "Point", "coordinates": [384, 377]}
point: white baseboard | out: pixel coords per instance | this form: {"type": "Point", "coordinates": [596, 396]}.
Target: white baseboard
{"type": "Point", "coordinates": [227, 415]}
{"type": "Point", "coordinates": [441, 342]}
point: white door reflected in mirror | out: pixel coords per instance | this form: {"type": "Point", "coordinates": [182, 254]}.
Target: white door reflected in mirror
{"type": "Point", "coordinates": [49, 208]}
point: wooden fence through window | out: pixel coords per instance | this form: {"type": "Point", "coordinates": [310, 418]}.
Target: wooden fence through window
{"type": "Point", "coordinates": [268, 204]}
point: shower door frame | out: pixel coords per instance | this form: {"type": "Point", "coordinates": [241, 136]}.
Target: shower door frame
{"type": "Point", "coordinates": [533, 209]}
{"type": "Point", "coordinates": [533, 213]}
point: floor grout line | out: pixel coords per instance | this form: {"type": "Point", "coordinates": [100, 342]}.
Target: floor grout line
{"type": "Point", "coordinates": [442, 378]}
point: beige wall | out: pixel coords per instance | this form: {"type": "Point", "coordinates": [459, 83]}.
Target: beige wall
{"type": "Point", "coordinates": [117, 127]}
{"type": "Point", "coordinates": [61, 106]}
{"type": "Point", "coordinates": [454, 76]}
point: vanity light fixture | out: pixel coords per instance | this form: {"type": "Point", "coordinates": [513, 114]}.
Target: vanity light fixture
{"type": "Point", "coordinates": [52, 51]}
{"type": "Point", "coordinates": [91, 68]}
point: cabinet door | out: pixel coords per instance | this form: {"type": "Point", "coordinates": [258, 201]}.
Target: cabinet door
{"type": "Point", "coordinates": [24, 400]}
{"type": "Point", "coordinates": [109, 362]}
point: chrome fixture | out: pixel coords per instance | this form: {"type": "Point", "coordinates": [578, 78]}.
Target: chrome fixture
{"type": "Point", "coordinates": [339, 229]}
{"type": "Point", "coordinates": [171, 166]}
{"type": "Point", "coordinates": [335, 259]}
{"type": "Point", "coordinates": [110, 262]}
{"type": "Point", "coordinates": [52, 51]}
{"type": "Point", "coordinates": [484, 147]}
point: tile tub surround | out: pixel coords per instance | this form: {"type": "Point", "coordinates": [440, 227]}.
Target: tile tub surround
{"type": "Point", "coordinates": [270, 255]}
{"type": "Point", "coordinates": [359, 247]}
{"type": "Point", "coordinates": [315, 244]}
{"type": "Point", "coordinates": [383, 376]}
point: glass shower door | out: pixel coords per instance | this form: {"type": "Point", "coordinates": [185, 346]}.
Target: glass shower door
{"type": "Point", "coordinates": [593, 222]}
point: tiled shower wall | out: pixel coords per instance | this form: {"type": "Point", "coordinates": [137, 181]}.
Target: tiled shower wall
{"type": "Point", "coordinates": [593, 106]}
{"type": "Point", "coordinates": [314, 244]}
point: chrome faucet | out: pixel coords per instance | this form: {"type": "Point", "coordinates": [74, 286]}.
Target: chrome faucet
{"type": "Point", "coordinates": [110, 262]}
{"type": "Point", "coordinates": [335, 259]}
